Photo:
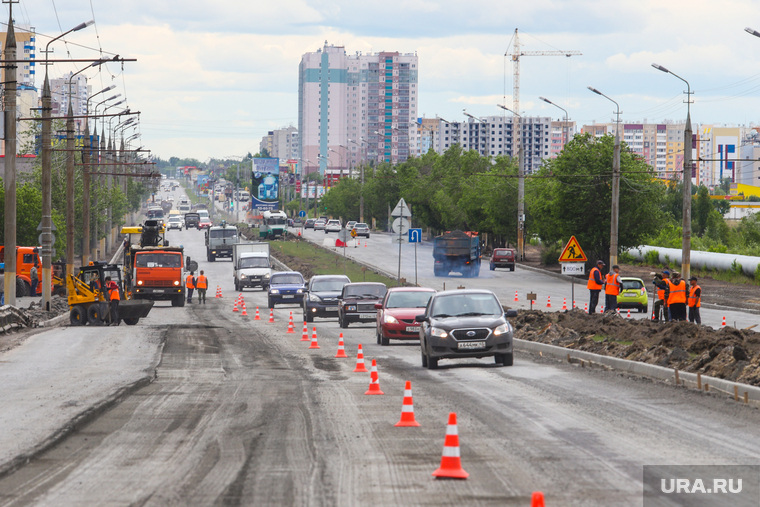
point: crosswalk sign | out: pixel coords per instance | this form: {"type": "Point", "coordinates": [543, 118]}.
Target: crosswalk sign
{"type": "Point", "coordinates": [573, 252]}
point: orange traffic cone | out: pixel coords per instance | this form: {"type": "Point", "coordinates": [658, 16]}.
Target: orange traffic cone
{"type": "Point", "coordinates": [374, 380]}
{"type": "Point", "coordinates": [564, 304]}
{"type": "Point", "coordinates": [341, 348]}
{"type": "Point", "coordinates": [365, 243]}
{"type": "Point", "coordinates": [407, 408]}
{"type": "Point", "coordinates": [451, 464]}
{"type": "Point", "coordinates": [723, 324]}
{"type": "Point", "coordinates": [291, 329]}
{"type": "Point", "coordinates": [257, 317]}
{"type": "Point", "coordinates": [360, 368]}
{"type": "Point", "coordinates": [305, 335]}
{"type": "Point", "coordinates": [549, 302]}
{"type": "Point", "coordinates": [314, 344]}
{"type": "Point", "coordinates": [628, 314]}
{"type": "Point", "coordinates": [234, 306]}
{"type": "Point", "coordinates": [271, 315]}
{"type": "Point", "coordinates": [652, 314]}
{"type": "Point", "coordinates": [245, 313]}
{"type": "Point", "coordinates": [218, 291]}
{"type": "Point", "coordinates": [575, 305]}
{"type": "Point", "coordinates": [537, 499]}
{"type": "Point", "coordinates": [516, 298]}
{"type": "Point", "coordinates": [602, 310]}
{"type": "Point", "coordinates": [585, 307]}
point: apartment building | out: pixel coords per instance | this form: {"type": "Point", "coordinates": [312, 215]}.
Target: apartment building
{"type": "Point", "coordinates": [281, 143]}
{"type": "Point", "coordinates": [27, 99]}
{"type": "Point", "coordinates": [70, 89]}
{"type": "Point", "coordinates": [355, 108]}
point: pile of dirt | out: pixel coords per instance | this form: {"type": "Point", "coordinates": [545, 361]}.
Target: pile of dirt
{"type": "Point", "coordinates": [728, 353]}
{"type": "Point", "coordinates": [58, 306]}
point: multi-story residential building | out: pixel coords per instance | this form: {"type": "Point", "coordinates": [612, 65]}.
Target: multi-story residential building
{"type": "Point", "coordinates": [26, 93]}
{"type": "Point", "coordinates": [427, 133]}
{"type": "Point", "coordinates": [265, 145]}
{"type": "Point", "coordinates": [720, 149]}
{"type": "Point", "coordinates": [493, 135]}
{"type": "Point", "coordinates": [354, 108]}
{"type": "Point", "coordinates": [74, 90]}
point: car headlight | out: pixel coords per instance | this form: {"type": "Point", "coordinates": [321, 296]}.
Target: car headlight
{"type": "Point", "coordinates": [299, 291]}
{"type": "Point", "coordinates": [267, 275]}
{"type": "Point", "coordinates": [139, 282]}
{"type": "Point", "coordinates": [350, 308]}
{"type": "Point", "coordinates": [274, 291]}
{"type": "Point", "coordinates": [438, 332]}
{"type": "Point", "coordinates": [315, 298]}
{"type": "Point", "coordinates": [176, 282]}
{"type": "Point", "coordinates": [503, 329]}
{"type": "Point", "coordinates": [390, 319]}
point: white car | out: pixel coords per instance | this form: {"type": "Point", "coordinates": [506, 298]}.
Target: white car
{"type": "Point", "coordinates": [175, 222]}
{"type": "Point", "coordinates": [319, 225]}
{"type": "Point", "coordinates": [333, 226]}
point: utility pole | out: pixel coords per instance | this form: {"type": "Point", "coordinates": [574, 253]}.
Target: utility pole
{"type": "Point", "coordinates": [9, 179]}
{"type": "Point", "coordinates": [70, 187]}
{"type": "Point", "coordinates": [47, 204]}
{"type": "Point", "coordinates": [86, 196]}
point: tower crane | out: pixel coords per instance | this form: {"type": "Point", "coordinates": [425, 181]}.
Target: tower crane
{"type": "Point", "coordinates": [517, 131]}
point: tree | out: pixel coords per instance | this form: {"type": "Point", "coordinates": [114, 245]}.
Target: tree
{"type": "Point", "coordinates": [571, 195]}
{"type": "Point", "coordinates": [701, 211]}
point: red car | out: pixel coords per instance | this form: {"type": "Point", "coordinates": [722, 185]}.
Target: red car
{"type": "Point", "coordinates": [204, 223]}
{"type": "Point", "coordinates": [395, 315]}
{"type": "Point", "coordinates": [503, 258]}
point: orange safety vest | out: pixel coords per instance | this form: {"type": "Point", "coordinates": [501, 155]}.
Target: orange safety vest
{"type": "Point", "coordinates": [189, 282]}
{"type": "Point", "coordinates": [613, 284]}
{"type": "Point", "coordinates": [677, 292]}
{"type": "Point", "coordinates": [201, 282]}
{"type": "Point", "coordinates": [113, 292]}
{"type": "Point", "coordinates": [592, 285]}
{"type": "Point", "coordinates": [693, 299]}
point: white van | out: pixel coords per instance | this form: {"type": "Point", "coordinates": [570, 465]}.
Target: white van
{"type": "Point", "coordinates": [243, 196]}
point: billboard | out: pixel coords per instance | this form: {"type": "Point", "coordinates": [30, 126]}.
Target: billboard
{"type": "Point", "coordinates": [265, 183]}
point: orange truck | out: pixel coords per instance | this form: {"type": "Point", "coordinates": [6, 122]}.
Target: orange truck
{"type": "Point", "coordinates": [153, 270]}
{"type": "Point", "coordinates": [25, 259]}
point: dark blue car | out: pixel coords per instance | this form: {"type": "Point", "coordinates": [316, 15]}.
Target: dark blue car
{"type": "Point", "coordinates": [286, 287]}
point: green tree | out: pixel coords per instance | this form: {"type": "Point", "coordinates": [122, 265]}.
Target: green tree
{"type": "Point", "coordinates": [701, 211]}
{"type": "Point", "coordinates": [571, 195]}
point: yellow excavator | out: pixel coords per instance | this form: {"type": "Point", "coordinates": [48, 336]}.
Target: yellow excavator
{"type": "Point", "coordinates": [88, 304]}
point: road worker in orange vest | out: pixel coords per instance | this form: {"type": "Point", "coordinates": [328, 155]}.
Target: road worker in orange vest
{"type": "Point", "coordinates": [612, 289]}
{"type": "Point", "coordinates": [695, 301]}
{"type": "Point", "coordinates": [677, 297]}
{"type": "Point", "coordinates": [112, 289]}
{"type": "Point", "coordinates": [594, 285]}
{"type": "Point", "coordinates": [661, 301]}
{"type": "Point", "coordinates": [201, 284]}
{"type": "Point", "coordinates": [190, 285]}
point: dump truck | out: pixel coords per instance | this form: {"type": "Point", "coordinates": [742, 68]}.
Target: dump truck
{"type": "Point", "coordinates": [89, 305]}
{"type": "Point", "coordinates": [219, 241]}
{"type": "Point", "coordinates": [251, 265]}
{"type": "Point", "coordinates": [457, 252]}
{"type": "Point", "coordinates": [153, 269]}
{"type": "Point", "coordinates": [26, 257]}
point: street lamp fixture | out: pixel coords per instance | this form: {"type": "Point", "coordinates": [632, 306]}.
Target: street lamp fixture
{"type": "Point", "coordinates": [687, 167]}
{"type": "Point", "coordinates": [615, 206]}
{"type": "Point", "coordinates": [752, 31]}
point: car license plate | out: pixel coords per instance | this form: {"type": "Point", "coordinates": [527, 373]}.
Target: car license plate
{"type": "Point", "coordinates": [471, 345]}
{"type": "Point", "coordinates": [331, 309]}
{"type": "Point", "coordinates": [412, 329]}
{"type": "Point", "coordinates": [630, 295]}
{"type": "Point", "coordinates": [367, 315]}
{"type": "Point", "coordinates": [158, 290]}
{"type": "Point", "coordinates": [288, 297]}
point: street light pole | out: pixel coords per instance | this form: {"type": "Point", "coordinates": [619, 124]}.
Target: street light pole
{"type": "Point", "coordinates": [47, 200]}
{"type": "Point", "coordinates": [615, 206]}
{"type": "Point", "coordinates": [9, 177]}
{"type": "Point", "coordinates": [517, 135]}
{"type": "Point", "coordinates": [687, 146]}
{"type": "Point", "coordinates": [565, 136]}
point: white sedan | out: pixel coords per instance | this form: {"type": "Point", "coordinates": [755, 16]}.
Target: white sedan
{"type": "Point", "coordinates": [333, 226]}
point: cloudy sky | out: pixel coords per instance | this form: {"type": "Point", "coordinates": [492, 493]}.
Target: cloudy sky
{"type": "Point", "coordinates": [212, 77]}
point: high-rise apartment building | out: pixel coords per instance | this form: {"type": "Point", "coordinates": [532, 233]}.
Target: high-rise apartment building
{"type": "Point", "coordinates": [353, 108]}
{"type": "Point", "coordinates": [26, 93]}
{"type": "Point", "coordinates": [25, 50]}
{"type": "Point", "coordinates": [65, 90]}
{"type": "Point", "coordinates": [491, 136]}
{"type": "Point", "coordinates": [281, 143]}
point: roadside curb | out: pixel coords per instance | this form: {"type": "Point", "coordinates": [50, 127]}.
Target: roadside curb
{"type": "Point", "coordinates": [55, 321]}
{"type": "Point", "coordinates": [669, 375]}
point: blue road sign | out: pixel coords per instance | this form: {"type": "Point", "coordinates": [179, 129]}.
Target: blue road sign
{"type": "Point", "coordinates": [302, 213]}
{"type": "Point", "coordinates": [415, 235]}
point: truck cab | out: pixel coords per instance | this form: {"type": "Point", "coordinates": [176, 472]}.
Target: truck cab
{"type": "Point", "coordinates": [219, 241]}
{"type": "Point", "coordinates": [251, 265]}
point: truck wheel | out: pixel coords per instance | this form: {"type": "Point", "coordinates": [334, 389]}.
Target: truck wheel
{"type": "Point", "coordinates": [77, 317]}
{"type": "Point", "coordinates": [132, 321]}
{"type": "Point", "coordinates": [93, 315]}
{"type": "Point", "coordinates": [237, 286]}
{"type": "Point", "coordinates": [211, 258]}
{"type": "Point", "coordinates": [22, 288]}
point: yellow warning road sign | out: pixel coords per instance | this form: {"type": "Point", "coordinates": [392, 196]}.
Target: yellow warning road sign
{"type": "Point", "coordinates": [573, 252]}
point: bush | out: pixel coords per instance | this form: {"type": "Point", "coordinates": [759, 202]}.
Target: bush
{"type": "Point", "coordinates": [757, 273]}
{"type": "Point", "coordinates": [736, 268]}
{"type": "Point", "coordinates": [550, 254]}
{"type": "Point", "coordinates": [626, 258]}
{"type": "Point", "coordinates": [652, 258]}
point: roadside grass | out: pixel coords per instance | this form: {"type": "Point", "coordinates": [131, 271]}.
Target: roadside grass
{"type": "Point", "coordinates": [324, 262]}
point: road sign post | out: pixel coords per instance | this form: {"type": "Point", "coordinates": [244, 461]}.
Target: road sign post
{"type": "Point", "coordinates": [401, 212]}
{"type": "Point", "coordinates": [415, 236]}
{"type": "Point", "coordinates": [573, 261]}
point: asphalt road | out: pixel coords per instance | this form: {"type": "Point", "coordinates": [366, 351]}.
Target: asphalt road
{"type": "Point", "coordinates": [242, 413]}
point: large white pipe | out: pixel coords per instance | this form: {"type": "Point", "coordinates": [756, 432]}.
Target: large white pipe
{"type": "Point", "coordinates": [708, 260]}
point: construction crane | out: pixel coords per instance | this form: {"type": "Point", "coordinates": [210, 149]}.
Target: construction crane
{"type": "Point", "coordinates": [517, 132]}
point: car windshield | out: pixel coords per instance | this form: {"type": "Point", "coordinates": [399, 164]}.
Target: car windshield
{"type": "Point", "coordinates": [223, 233]}
{"type": "Point", "coordinates": [408, 299]}
{"type": "Point", "coordinates": [502, 252]}
{"type": "Point", "coordinates": [632, 284]}
{"type": "Point", "coordinates": [157, 260]}
{"type": "Point", "coordinates": [330, 284]}
{"type": "Point", "coordinates": [365, 291]}
{"type": "Point", "coordinates": [286, 279]}
{"type": "Point", "coordinates": [465, 305]}
{"type": "Point", "coordinates": [175, 219]}
{"type": "Point", "coordinates": [361, 226]}
{"type": "Point", "coordinates": [254, 262]}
